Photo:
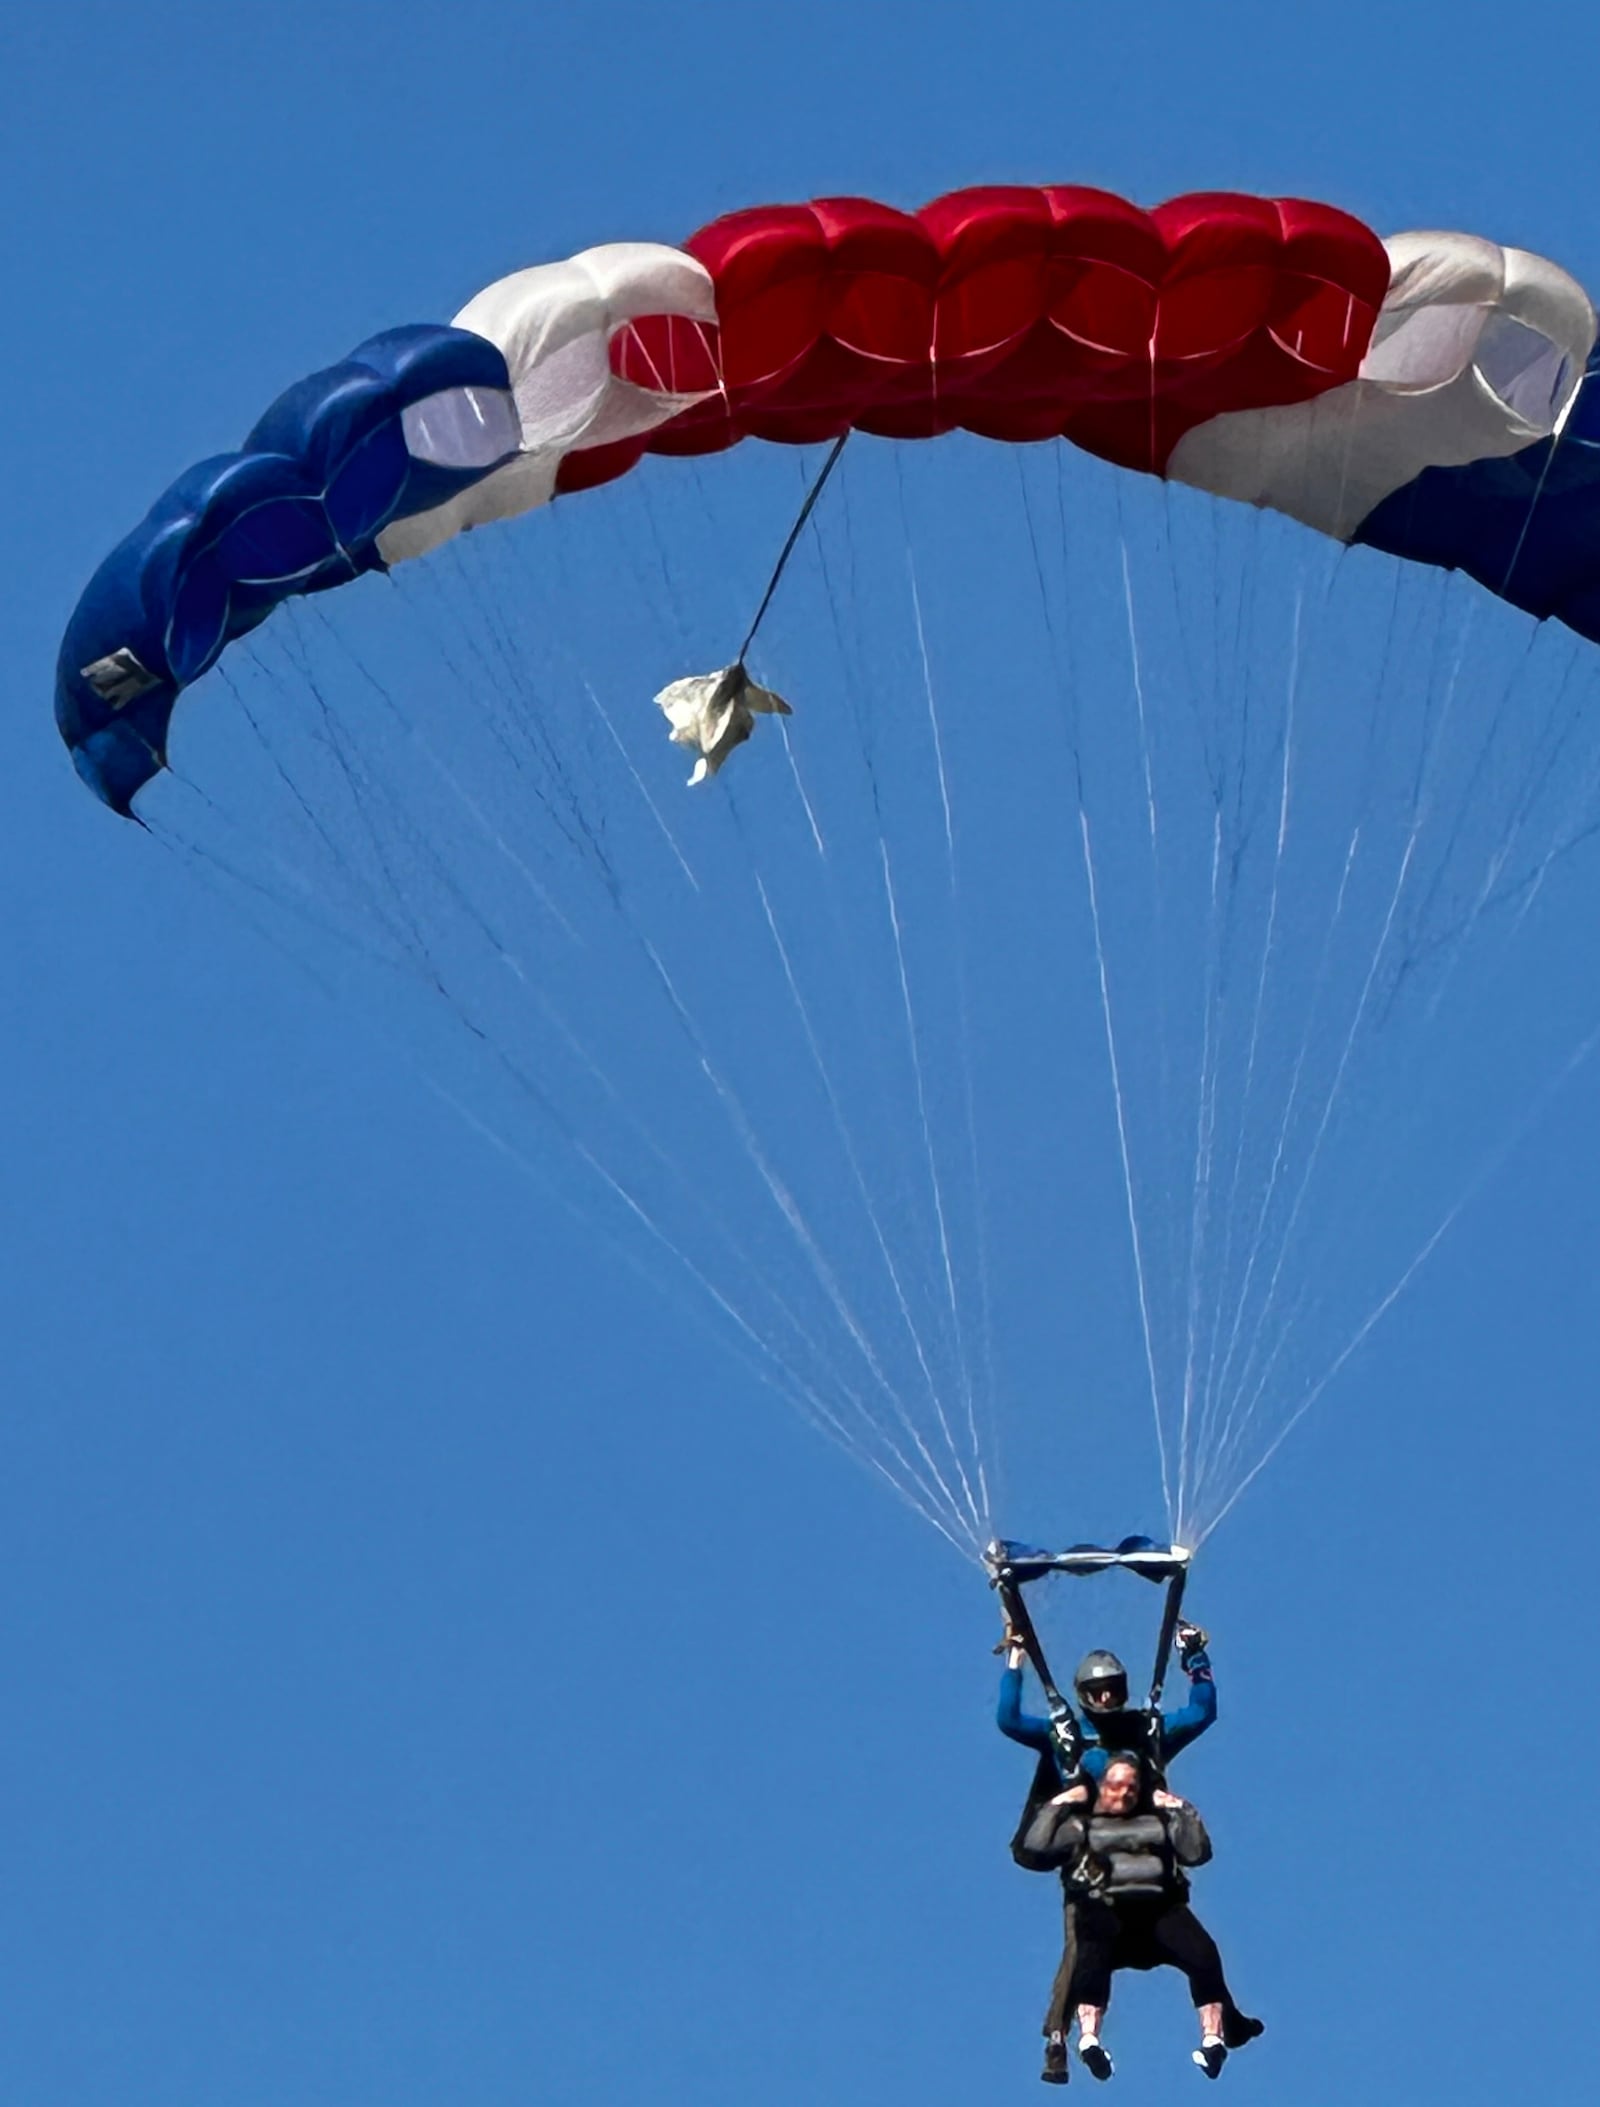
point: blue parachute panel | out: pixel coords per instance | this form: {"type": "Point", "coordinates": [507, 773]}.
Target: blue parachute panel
{"type": "Point", "coordinates": [1527, 527]}
{"type": "Point", "coordinates": [297, 510]}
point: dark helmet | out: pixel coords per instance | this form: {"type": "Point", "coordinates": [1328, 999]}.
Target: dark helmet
{"type": "Point", "coordinates": [1101, 1683]}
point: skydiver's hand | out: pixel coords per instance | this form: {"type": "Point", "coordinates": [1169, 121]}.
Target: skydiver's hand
{"type": "Point", "coordinates": [1190, 1638]}
{"type": "Point", "coordinates": [1074, 1796]}
{"type": "Point", "coordinates": [1012, 1647]}
{"type": "Point", "coordinates": [1165, 1799]}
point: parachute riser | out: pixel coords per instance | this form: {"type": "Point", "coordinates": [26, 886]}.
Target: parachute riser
{"type": "Point", "coordinates": [1172, 1567]}
{"type": "Point", "coordinates": [1169, 1632]}
{"type": "Point", "coordinates": [1064, 1724]}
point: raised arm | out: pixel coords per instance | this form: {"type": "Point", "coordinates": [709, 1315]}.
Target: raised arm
{"type": "Point", "coordinates": [1189, 1721]}
{"type": "Point", "coordinates": [1012, 1721]}
{"type": "Point", "coordinates": [1055, 1836]}
{"type": "Point", "coordinates": [1009, 1716]}
{"type": "Point", "coordinates": [1191, 1845]}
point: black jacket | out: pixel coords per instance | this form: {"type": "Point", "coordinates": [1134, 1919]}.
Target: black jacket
{"type": "Point", "coordinates": [1122, 1858]}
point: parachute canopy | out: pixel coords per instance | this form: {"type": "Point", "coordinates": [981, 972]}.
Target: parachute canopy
{"type": "Point", "coordinates": [852, 1045]}
{"type": "Point", "coordinates": [1431, 395]}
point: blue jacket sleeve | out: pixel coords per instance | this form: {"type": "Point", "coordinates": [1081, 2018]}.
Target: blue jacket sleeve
{"type": "Point", "coordinates": [1187, 1724]}
{"type": "Point", "coordinates": [1012, 1721]}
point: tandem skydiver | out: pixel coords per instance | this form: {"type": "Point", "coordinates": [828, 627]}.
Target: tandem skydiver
{"type": "Point", "coordinates": [1101, 1686]}
{"type": "Point", "coordinates": [1123, 1848]}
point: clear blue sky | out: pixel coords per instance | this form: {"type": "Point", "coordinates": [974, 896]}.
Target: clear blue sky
{"type": "Point", "coordinates": [430, 1677]}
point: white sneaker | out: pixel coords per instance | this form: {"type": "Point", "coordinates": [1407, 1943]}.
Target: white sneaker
{"type": "Point", "coordinates": [1211, 2055]}
{"type": "Point", "coordinates": [1096, 2056]}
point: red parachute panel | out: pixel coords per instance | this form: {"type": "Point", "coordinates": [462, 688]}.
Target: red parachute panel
{"type": "Point", "coordinates": [1017, 313]}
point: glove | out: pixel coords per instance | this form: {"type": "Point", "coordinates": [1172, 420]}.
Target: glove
{"type": "Point", "coordinates": [1189, 1639]}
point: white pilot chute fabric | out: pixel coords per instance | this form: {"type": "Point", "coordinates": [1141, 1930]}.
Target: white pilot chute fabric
{"type": "Point", "coordinates": [712, 713]}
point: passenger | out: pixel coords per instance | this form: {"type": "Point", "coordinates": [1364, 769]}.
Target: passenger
{"type": "Point", "coordinates": [1124, 1860]}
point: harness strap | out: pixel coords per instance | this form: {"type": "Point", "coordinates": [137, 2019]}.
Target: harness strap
{"type": "Point", "coordinates": [1064, 1727]}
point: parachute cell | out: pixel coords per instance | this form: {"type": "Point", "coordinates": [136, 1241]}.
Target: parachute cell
{"type": "Point", "coordinates": [408, 419]}
{"type": "Point", "coordinates": [1527, 525]}
{"type": "Point", "coordinates": [1477, 354]}
{"type": "Point", "coordinates": [554, 325]}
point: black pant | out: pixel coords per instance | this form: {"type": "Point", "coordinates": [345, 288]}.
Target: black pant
{"type": "Point", "coordinates": [1058, 2012]}
{"type": "Point", "coordinates": [1102, 1936]}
